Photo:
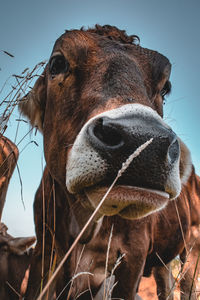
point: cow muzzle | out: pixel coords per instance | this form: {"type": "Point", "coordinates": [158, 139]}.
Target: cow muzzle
{"type": "Point", "coordinates": [104, 144]}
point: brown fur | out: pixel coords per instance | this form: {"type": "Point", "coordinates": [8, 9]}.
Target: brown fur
{"type": "Point", "coordinates": [8, 159]}
{"type": "Point", "coordinates": [14, 261]}
{"type": "Point", "coordinates": [107, 70]}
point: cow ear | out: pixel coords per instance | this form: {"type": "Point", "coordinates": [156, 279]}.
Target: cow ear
{"type": "Point", "coordinates": [3, 228]}
{"type": "Point", "coordinates": [185, 166]}
{"type": "Point", "coordinates": [33, 104]}
{"type": "Point", "coordinates": [20, 245]}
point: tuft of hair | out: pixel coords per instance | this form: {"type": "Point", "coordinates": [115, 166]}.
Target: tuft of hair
{"type": "Point", "coordinates": [185, 166]}
{"type": "Point", "coordinates": [113, 33]}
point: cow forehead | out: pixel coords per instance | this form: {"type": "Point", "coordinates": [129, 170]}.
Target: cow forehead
{"type": "Point", "coordinates": [125, 67]}
{"type": "Point", "coordinates": [84, 43]}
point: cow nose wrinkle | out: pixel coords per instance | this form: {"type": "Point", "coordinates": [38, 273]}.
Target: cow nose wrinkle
{"type": "Point", "coordinates": [173, 151]}
{"type": "Point", "coordinates": [106, 134]}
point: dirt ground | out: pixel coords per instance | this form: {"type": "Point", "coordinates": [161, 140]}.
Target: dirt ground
{"type": "Point", "coordinates": [147, 290]}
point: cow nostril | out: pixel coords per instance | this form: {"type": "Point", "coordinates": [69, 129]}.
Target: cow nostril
{"type": "Point", "coordinates": [173, 151]}
{"type": "Point", "coordinates": [114, 206]}
{"type": "Point", "coordinates": [107, 134]}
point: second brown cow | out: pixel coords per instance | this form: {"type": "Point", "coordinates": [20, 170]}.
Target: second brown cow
{"type": "Point", "coordinates": [100, 98]}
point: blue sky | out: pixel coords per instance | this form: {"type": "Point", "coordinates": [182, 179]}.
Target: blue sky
{"type": "Point", "coordinates": [28, 30]}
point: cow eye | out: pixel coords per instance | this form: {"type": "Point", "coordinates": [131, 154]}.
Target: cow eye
{"type": "Point", "coordinates": [166, 89]}
{"type": "Point", "coordinates": [58, 64]}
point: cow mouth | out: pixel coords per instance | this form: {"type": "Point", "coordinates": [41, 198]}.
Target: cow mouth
{"type": "Point", "coordinates": [129, 202]}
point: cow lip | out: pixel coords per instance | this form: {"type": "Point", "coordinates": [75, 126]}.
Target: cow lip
{"type": "Point", "coordinates": [127, 201]}
{"type": "Point", "coordinates": [128, 189]}
{"type": "Point", "coordinates": [141, 189]}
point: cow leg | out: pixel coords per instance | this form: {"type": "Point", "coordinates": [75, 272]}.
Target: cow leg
{"type": "Point", "coordinates": [127, 281]}
{"type": "Point", "coordinates": [164, 281]}
{"type": "Point", "coordinates": [36, 282]}
{"type": "Point", "coordinates": [187, 286]}
{"type": "Point", "coordinates": [129, 272]}
{"type": "Point", "coordinates": [107, 284]}
{"type": "Point", "coordinates": [48, 196]}
{"type": "Point", "coordinates": [191, 265]}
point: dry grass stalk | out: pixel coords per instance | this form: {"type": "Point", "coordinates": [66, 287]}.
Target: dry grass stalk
{"type": "Point", "coordinates": [136, 153]}
{"type": "Point", "coordinates": [78, 262]}
{"type": "Point", "coordinates": [53, 259]}
{"type": "Point", "coordinates": [105, 293]}
{"type": "Point", "coordinates": [179, 220]}
{"type": "Point", "coordinates": [82, 293]}
{"type": "Point", "coordinates": [110, 285]}
{"type": "Point", "coordinates": [9, 102]}
{"type": "Point", "coordinates": [120, 172]}
{"type": "Point", "coordinates": [166, 267]}
{"type": "Point", "coordinates": [20, 87]}
{"type": "Point", "coordinates": [43, 232]}
{"type": "Point", "coordinates": [193, 279]}
{"type": "Point", "coordinates": [71, 283]}
{"type": "Point", "coordinates": [181, 274]}
{"type": "Point", "coordinates": [12, 288]}
{"type": "Point", "coordinates": [8, 53]}
{"type": "Point", "coordinates": [81, 273]}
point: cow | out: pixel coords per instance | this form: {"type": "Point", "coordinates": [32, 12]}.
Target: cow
{"type": "Point", "coordinates": [8, 159]}
{"type": "Point", "coordinates": [15, 258]}
{"type": "Point", "coordinates": [99, 98]}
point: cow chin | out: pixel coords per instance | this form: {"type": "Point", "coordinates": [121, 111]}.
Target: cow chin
{"type": "Point", "coordinates": [129, 202]}
{"type": "Point", "coordinates": [85, 181]}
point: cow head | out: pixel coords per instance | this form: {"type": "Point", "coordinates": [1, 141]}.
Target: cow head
{"type": "Point", "coordinates": [98, 99]}
{"type": "Point", "coordinates": [15, 257]}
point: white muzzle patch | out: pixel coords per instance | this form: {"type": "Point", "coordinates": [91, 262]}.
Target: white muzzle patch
{"type": "Point", "coordinates": [85, 167]}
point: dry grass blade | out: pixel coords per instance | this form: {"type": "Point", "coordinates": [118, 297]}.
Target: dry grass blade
{"type": "Point", "coordinates": [12, 288]}
{"type": "Point", "coordinates": [193, 279]}
{"type": "Point", "coordinates": [53, 259]}
{"type": "Point", "coordinates": [43, 230]}
{"type": "Point", "coordinates": [118, 262]}
{"type": "Point", "coordinates": [79, 295]}
{"type": "Point", "coordinates": [71, 283]}
{"type": "Point", "coordinates": [121, 171]}
{"type": "Point", "coordinates": [132, 156]}
{"type": "Point", "coordinates": [21, 185]}
{"type": "Point", "coordinates": [109, 282]}
{"type": "Point", "coordinates": [7, 53]}
{"type": "Point", "coordinates": [74, 272]}
{"type": "Point", "coordinates": [166, 267]}
{"type": "Point", "coordinates": [107, 258]}
{"type": "Point", "coordinates": [8, 103]}
{"type": "Point", "coordinates": [19, 88]}
{"type": "Point", "coordinates": [179, 220]}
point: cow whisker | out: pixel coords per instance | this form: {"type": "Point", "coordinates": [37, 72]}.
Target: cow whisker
{"type": "Point", "coordinates": [68, 145]}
